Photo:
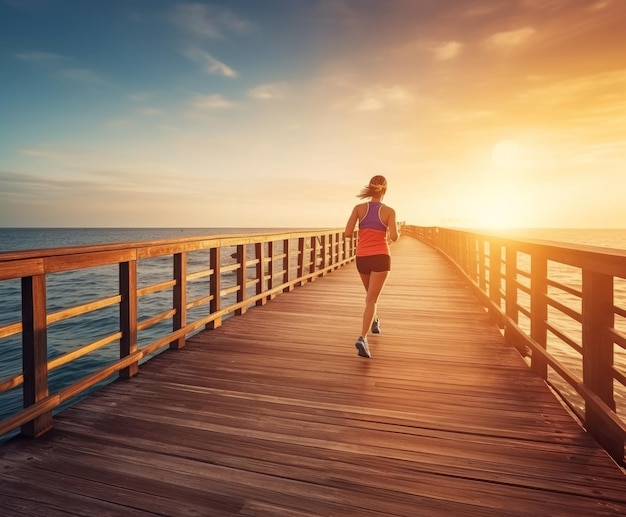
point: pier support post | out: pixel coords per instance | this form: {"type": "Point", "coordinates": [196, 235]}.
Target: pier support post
{"type": "Point", "coordinates": [241, 277]}
{"type": "Point", "coordinates": [215, 287]}
{"type": "Point", "coordinates": [180, 297]}
{"type": "Point", "coordinates": [35, 351]}
{"type": "Point", "coordinates": [128, 315]}
{"type": "Point", "coordinates": [539, 311]}
{"type": "Point", "coordinates": [598, 319]}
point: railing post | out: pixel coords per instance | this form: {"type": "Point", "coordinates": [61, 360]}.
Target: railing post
{"type": "Point", "coordinates": [314, 251]}
{"type": "Point", "coordinates": [511, 308]}
{"type": "Point", "coordinates": [180, 297]}
{"type": "Point", "coordinates": [35, 351]}
{"type": "Point", "coordinates": [349, 244]}
{"type": "Point", "coordinates": [464, 253]}
{"type": "Point", "coordinates": [287, 265]}
{"type": "Point", "coordinates": [301, 257]}
{"type": "Point", "coordinates": [313, 265]}
{"type": "Point", "coordinates": [324, 254]}
{"type": "Point", "coordinates": [495, 273]}
{"type": "Point", "coordinates": [473, 262]}
{"type": "Point", "coordinates": [341, 247]}
{"type": "Point", "coordinates": [270, 254]}
{"type": "Point", "coordinates": [511, 284]}
{"type": "Point", "coordinates": [482, 276]}
{"type": "Point", "coordinates": [128, 315]}
{"type": "Point", "coordinates": [260, 271]}
{"type": "Point", "coordinates": [241, 277]}
{"type": "Point", "coordinates": [215, 286]}
{"type": "Point", "coordinates": [597, 318]}
{"type": "Point", "coordinates": [539, 311]}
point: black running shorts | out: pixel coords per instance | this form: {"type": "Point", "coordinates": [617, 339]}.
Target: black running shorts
{"type": "Point", "coordinates": [373, 263]}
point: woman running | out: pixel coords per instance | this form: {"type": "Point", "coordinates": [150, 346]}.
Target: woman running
{"type": "Point", "coordinates": [377, 226]}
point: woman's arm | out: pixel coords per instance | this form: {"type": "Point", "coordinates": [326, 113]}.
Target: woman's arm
{"type": "Point", "coordinates": [354, 217]}
{"type": "Point", "coordinates": [392, 225]}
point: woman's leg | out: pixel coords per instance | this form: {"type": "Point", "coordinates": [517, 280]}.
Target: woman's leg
{"type": "Point", "coordinates": [366, 280]}
{"type": "Point", "coordinates": [375, 284]}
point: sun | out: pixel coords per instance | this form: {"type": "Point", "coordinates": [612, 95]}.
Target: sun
{"type": "Point", "coordinates": [506, 155]}
{"type": "Point", "coordinates": [497, 213]}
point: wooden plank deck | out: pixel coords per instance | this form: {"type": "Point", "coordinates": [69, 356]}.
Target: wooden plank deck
{"type": "Point", "coordinates": [273, 414]}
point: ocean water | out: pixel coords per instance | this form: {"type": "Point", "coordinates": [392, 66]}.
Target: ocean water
{"type": "Point", "coordinates": [606, 238]}
{"type": "Point", "coordinates": [12, 239]}
{"type": "Point", "coordinates": [68, 289]}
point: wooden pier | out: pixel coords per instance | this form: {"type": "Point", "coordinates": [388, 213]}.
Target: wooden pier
{"type": "Point", "coordinates": [273, 414]}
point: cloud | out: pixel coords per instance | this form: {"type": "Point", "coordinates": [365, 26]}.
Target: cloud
{"type": "Point", "coordinates": [509, 39]}
{"type": "Point", "coordinates": [206, 21]}
{"type": "Point", "coordinates": [83, 75]}
{"type": "Point", "coordinates": [37, 56]}
{"type": "Point", "coordinates": [33, 186]}
{"type": "Point", "coordinates": [546, 5]}
{"type": "Point", "coordinates": [141, 96]}
{"type": "Point", "coordinates": [266, 92]}
{"type": "Point", "coordinates": [595, 100]}
{"type": "Point", "coordinates": [482, 10]}
{"type": "Point", "coordinates": [380, 97]}
{"type": "Point", "coordinates": [584, 87]}
{"type": "Point", "coordinates": [212, 102]}
{"type": "Point", "coordinates": [208, 62]}
{"type": "Point", "coordinates": [42, 153]}
{"type": "Point", "coordinates": [151, 112]}
{"type": "Point", "coordinates": [62, 65]}
{"type": "Point", "coordinates": [600, 4]}
{"type": "Point", "coordinates": [447, 50]}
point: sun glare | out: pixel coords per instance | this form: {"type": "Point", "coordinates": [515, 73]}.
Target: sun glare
{"type": "Point", "coordinates": [506, 155]}
{"type": "Point", "coordinates": [497, 213]}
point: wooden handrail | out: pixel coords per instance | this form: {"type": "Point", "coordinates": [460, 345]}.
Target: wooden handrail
{"type": "Point", "coordinates": [595, 372]}
{"type": "Point", "coordinates": [280, 262]}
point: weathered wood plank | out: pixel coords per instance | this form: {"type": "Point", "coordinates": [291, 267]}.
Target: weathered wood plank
{"type": "Point", "coordinates": [273, 414]}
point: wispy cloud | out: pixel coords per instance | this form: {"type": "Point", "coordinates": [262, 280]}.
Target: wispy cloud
{"type": "Point", "coordinates": [42, 153]}
{"type": "Point", "coordinates": [61, 66]}
{"type": "Point", "coordinates": [151, 112]}
{"type": "Point", "coordinates": [600, 4]}
{"type": "Point", "coordinates": [208, 63]}
{"type": "Point", "coordinates": [599, 87]}
{"type": "Point", "coordinates": [38, 187]}
{"type": "Point", "coordinates": [509, 39]}
{"type": "Point", "coordinates": [141, 96]}
{"type": "Point", "coordinates": [38, 56]}
{"type": "Point", "coordinates": [83, 181]}
{"type": "Point", "coordinates": [447, 50]}
{"type": "Point", "coordinates": [482, 10]}
{"type": "Point", "coordinates": [212, 102]}
{"type": "Point", "coordinates": [266, 92]}
{"type": "Point", "coordinates": [83, 75]}
{"type": "Point", "coordinates": [380, 97]}
{"type": "Point", "coordinates": [206, 21]}
{"type": "Point", "coordinates": [546, 5]}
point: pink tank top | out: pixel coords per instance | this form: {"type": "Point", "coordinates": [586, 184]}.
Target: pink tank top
{"type": "Point", "coordinates": [372, 233]}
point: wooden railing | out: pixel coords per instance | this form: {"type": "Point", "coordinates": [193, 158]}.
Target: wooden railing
{"type": "Point", "coordinates": [205, 279]}
{"type": "Point", "coordinates": [562, 306]}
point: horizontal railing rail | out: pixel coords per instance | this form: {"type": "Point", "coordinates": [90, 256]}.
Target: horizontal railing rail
{"type": "Point", "coordinates": [562, 306]}
{"type": "Point", "coordinates": [138, 298]}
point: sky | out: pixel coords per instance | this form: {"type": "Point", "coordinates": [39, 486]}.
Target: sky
{"type": "Point", "coordinates": [275, 113]}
